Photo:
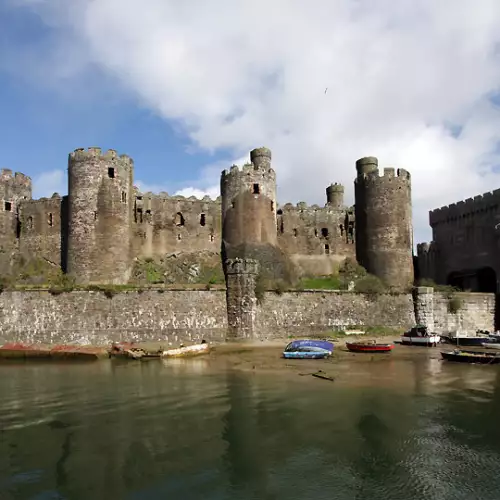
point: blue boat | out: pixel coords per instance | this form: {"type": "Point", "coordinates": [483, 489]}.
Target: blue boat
{"type": "Point", "coordinates": [308, 349]}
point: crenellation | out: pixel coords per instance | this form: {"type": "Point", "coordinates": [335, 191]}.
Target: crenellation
{"type": "Point", "coordinates": [109, 222]}
{"type": "Point", "coordinates": [469, 207]}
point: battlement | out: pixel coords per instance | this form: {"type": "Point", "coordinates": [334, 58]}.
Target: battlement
{"type": "Point", "coordinates": [249, 169]}
{"type": "Point", "coordinates": [401, 175]}
{"type": "Point", "coordinates": [92, 153]}
{"type": "Point", "coordinates": [56, 197]}
{"type": "Point", "coordinates": [467, 208]}
{"type": "Point", "coordinates": [165, 197]}
{"type": "Point", "coordinates": [337, 188]}
{"type": "Point", "coordinates": [6, 175]}
{"type": "Point", "coordinates": [302, 206]}
{"type": "Point", "coordinates": [242, 266]}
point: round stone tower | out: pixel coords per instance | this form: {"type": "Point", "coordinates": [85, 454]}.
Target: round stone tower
{"type": "Point", "coordinates": [384, 235]}
{"type": "Point", "coordinates": [99, 214]}
{"type": "Point", "coordinates": [335, 196]}
{"type": "Point", "coordinates": [249, 215]}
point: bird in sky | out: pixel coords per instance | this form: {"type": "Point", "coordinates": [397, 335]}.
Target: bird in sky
{"type": "Point", "coordinates": [326, 90]}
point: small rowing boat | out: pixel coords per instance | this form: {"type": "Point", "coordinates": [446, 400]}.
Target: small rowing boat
{"type": "Point", "coordinates": [185, 351]}
{"type": "Point", "coordinates": [308, 349]}
{"type": "Point", "coordinates": [484, 358]}
{"type": "Point", "coordinates": [368, 346]}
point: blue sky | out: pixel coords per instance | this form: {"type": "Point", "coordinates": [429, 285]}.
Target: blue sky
{"type": "Point", "coordinates": [39, 125]}
{"type": "Point", "coordinates": [189, 88]}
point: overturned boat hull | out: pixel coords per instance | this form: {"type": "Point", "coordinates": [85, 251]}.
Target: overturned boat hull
{"type": "Point", "coordinates": [306, 354]}
{"type": "Point", "coordinates": [187, 351]}
{"type": "Point", "coordinates": [308, 349]}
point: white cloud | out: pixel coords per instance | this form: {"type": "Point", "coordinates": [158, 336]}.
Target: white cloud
{"type": "Point", "coordinates": [48, 183]}
{"type": "Point", "coordinates": [240, 74]}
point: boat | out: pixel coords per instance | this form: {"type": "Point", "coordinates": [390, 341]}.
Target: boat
{"type": "Point", "coordinates": [491, 345]}
{"type": "Point", "coordinates": [126, 350]}
{"type": "Point", "coordinates": [368, 346]}
{"type": "Point", "coordinates": [185, 351]}
{"type": "Point", "coordinates": [484, 358]}
{"type": "Point", "coordinates": [420, 335]}
{"type": "Point", "coordinates": [19, 350]}
{"type": "Point", "coordinates": [308, 349]}
{"type": "Point", "coordinates": [466, 340]}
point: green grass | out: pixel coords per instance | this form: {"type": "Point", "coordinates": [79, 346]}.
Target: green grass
{"type": "Point", "coordinates": [321, 283]}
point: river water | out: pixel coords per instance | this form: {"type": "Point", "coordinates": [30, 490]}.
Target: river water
{"type": "Point", "coordinates": [405, 429]}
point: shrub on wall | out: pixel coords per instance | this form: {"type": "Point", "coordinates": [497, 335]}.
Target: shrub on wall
{"type": "Point", "coordinates": [371, 285]}
{"type": "Point", "coordinates": [260, 288]}
{"type": "Point", "coordinates": [454, 304]}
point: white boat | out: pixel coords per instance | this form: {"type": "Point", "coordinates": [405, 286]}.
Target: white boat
{"type": "Point", "coordinates": [491, 345]}
{"type": "Point", "coordinates": [190, 350]}
{"type": "Point", "coordinates": [419, 335]}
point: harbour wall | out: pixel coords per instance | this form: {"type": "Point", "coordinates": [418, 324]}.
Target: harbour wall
{"type": "Point", "coordinates": [174, 316]}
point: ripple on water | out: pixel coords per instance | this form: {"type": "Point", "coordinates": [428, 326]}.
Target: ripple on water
{"type": "Point", "coordinates": [168, 430]}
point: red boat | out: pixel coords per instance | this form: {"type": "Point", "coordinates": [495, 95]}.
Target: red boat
{"type": "Point", "coordinates": [19, 350]}
{"type": "Point", "coordinates": [369, 347]}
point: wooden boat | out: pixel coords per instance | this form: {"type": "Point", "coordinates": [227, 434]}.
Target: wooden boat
{"type": "Point", "coordinates": [461, 339]}
{"type": "Point", "coordinates": [484, 358]}
{"type": "Point", "coordinates": [19, 350]}
{"type": "Point", "coordinates": [308, 349]}
{"type": "Point", "coordinates": [185, 351]}
{"type": "Point", "coordinates": [419, 335]}
{"type": "Point", "coordinates": [126, 350]}
{"type": "Point", "coordinates": [368, 346]}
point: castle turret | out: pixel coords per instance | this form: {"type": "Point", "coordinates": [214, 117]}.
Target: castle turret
{"type": "Point", "coordinates": [14, 189]}
{"type": "Point", "coordinates": [241, 275]}
{"type": "Point", "coordinates": [383, 223]}
{"type": "Point", "coordinates": [249, 215]}
{"type": "Point", "coordinates": [99, 214]}
{"type": "Point", "coordinates": [335, 196]}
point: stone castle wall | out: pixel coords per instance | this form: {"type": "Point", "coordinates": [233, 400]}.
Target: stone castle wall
{"type": "Point", "coordinates": [105, 223]}
{"type": "Point", "coordinates": [190, 315]}
{"type": "Point", "coordinates": [465, 238]}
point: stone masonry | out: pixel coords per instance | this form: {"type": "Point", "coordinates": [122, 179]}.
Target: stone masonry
{"type": "Point", "coordinates": [175, 316]}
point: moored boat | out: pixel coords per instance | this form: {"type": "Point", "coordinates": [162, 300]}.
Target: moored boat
{"type": "Point", "coordinates": [369, 347]}
{"type": "Point", "coordinates": [126, 350]}
{"type": "Point", "coordinates": [420, 335]}
{"type": "Point", "coordinates": [308, 349]}
{"type": "Point", "coordinates": [492, 345]}
{"type": "Point", "coordinates": [185, 351]}
{"type": "Point", "coordinates": [19, 350]}
{"type": "Point", "coordinates": [484, 358]}
{"type": "Point", "coordinates": [466, 340]}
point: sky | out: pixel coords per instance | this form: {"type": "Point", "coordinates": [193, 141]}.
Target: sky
{"type": "Point", "coordinates": [189, 88]}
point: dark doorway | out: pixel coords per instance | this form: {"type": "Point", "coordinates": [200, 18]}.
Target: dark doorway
{"type": "Point", "coordinates": [486, 280]}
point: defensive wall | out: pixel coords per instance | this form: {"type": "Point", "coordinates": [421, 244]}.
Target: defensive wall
{"type": "Point", "coordinates": [105, 223]}
{"type": "Point", "coordinates": [465, 238]}
{"type": "Point", "coordinates": [174, 316]}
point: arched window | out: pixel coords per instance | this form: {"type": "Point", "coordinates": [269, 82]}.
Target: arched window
{"type": "Point", "coordinates": [202, 220]}
{"type": "Point", "coordinates": [179, 220]}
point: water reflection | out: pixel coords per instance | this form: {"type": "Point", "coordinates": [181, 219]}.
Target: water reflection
{"type": "Point", "coordinates": [411, 428]}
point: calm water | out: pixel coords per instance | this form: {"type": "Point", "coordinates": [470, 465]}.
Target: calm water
{"type": "Point", "coordinates": [419, 429]}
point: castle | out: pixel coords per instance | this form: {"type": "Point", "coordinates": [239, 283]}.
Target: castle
{"type": "Point", "coordinates": [464, 249]}
{"type": "Point", "coordinates": [104, 223]}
